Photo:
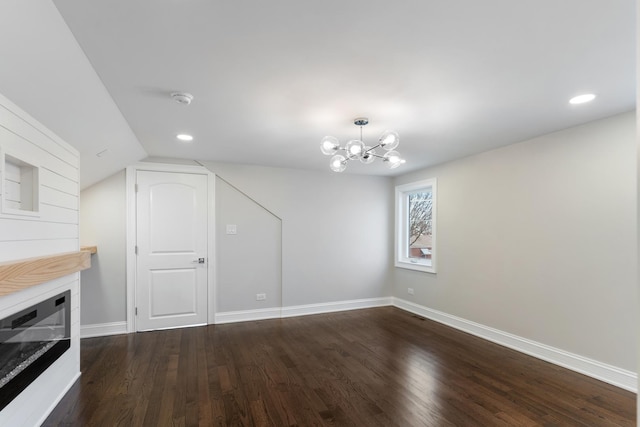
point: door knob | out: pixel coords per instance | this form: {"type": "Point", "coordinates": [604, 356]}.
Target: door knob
{"type": "Point", "coordinates": [198, 261]}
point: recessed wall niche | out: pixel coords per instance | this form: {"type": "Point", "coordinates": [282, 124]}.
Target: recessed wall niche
{"type": "Point", "coordinates": [20, 185]}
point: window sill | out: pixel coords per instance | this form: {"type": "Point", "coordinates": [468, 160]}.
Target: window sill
{"type": "Point", "coordinates": [416, 266]}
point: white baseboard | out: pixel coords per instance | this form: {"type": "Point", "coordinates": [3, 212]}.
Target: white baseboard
{"type": "Point", "coordinates": [330, 307]}
{"type": "Point", "coordinates": [247, 315]}
{"type": "Point", "coordinates": [299, 310]}
{"type": "Point", "coordinates": [610, 374]}
{"type": "Point", "coordinates": [103, 329]}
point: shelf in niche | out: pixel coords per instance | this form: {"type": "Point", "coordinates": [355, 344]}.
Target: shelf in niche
{"type": "Point", "coordinates": [20, 186]}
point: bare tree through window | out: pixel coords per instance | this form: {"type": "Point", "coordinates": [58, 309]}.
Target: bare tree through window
{"type": "Point", "coordinates": [420, 223]}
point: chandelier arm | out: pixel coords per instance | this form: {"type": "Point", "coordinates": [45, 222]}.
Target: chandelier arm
{"type": "Point", "coordinates": [370, 150]}
{"type": "Point", "coordinates": [376, 155]}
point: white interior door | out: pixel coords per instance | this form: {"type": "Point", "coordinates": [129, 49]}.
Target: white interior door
{"type": "Point", "coordinates": [171, 267]}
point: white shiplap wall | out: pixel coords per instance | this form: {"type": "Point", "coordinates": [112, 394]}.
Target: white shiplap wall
{"type": "Point", "coordinates": [55, 227]}
{"type": "Point", "coordinates": [49, 227]}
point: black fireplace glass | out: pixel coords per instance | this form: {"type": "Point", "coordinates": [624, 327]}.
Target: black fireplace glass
{"type": "Point", "coordinates": [30, 341]}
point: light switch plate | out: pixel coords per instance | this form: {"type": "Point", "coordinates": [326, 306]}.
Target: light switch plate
{"type": "Point", "coordinates": [232, 229]}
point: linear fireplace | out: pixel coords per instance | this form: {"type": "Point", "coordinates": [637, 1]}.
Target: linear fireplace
{"type": "Point", "coordinates": [30, 341]}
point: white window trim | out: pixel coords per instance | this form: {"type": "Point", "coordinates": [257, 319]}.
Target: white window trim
{"type": "Point", "coordinates": [401, 258]}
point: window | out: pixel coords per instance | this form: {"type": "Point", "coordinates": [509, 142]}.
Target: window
{"type": "Point", "coordinates": [416, 226]}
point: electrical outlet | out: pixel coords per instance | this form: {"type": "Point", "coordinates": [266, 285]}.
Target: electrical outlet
{"type": "Point", "coordinates": [261, 297]}
{"type": "Point", "coordinates": [410, 291]}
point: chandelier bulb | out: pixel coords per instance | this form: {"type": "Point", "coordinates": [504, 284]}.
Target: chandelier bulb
{"type": "Point", "coordinates": [389, 140]}
{"type": "Point", "coordinates": [338, 163]}
{"type": "Point", "coordinates": [329, 145]}
{"type": "Point", "coordinates": [392, 159]}
{"type": "Point", "coordinates": [354, 149]}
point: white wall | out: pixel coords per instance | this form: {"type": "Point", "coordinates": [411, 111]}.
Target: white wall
{"type": "Point", "coordinates": [336, 239]}
{"type": "Point", "coordinates": [103, 223]}
{"type": "Point", "coordinates": [52, 228]}
{"type": "Point", "coordinates": [538, 239]}
{"type": "Point", "coordinates": [55, 227]}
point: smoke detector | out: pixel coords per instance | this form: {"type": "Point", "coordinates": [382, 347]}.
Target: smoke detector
{"type": "Point", "coordinates": [183, 98]}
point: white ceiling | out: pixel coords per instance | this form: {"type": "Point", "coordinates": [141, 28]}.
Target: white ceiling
{"type": "Point", "coordinates": [271, 78]}
{"type": "Point", "coordinates": [44, 72]}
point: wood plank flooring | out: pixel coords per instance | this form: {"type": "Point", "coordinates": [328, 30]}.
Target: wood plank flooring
{"type": "Point", "coordinates": [373, 367]}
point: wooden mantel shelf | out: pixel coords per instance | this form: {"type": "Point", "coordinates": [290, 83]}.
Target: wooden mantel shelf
{"type": "Point", "coordinates": [20, 274]}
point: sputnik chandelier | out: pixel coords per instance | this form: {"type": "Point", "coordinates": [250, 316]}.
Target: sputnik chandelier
{"type": "Point", "coordinates": [356, 149]}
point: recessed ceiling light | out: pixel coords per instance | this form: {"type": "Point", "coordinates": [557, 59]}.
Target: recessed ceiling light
{"type": "Point", "coordinates": [581, 99]}
{"type": "Point", "coordinates": [184, 137]}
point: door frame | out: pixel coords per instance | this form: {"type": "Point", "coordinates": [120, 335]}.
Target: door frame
{"type": "Point", "coordinates": [130, 179]}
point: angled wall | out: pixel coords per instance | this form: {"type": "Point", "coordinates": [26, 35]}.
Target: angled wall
{"type": "Point", "coordinates": [336, 239]}
{"type": "Point", "coordinates": [249, 257]}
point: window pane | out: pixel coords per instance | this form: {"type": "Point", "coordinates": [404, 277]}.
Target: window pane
{"type": "Point", "coordinates": [416, 226]}
{"type": "Point", "coordinates": [420, 230]}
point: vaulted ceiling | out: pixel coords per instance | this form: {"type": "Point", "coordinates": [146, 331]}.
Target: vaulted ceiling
{"type": "Point", "coordinates": [271, 78]}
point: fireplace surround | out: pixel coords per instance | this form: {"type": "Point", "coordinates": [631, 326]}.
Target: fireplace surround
{"type": "Point", "coordinates": [39, 260]}
{"type": "Point", "coordinates": [39, 304]}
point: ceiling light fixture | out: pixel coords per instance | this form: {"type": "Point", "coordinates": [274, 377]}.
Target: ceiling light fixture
{"type": "Point", "coordinates": [581, 99]}
{"type": "Point", "coordinates": [184, 137]}
{"type": "Point", "coordinates": [356, 149]}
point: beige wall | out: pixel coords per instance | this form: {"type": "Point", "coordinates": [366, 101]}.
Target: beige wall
{"type": "Point", "coordinates": [538, 239]}
{"type": "Point", "coordinates": [249, 262]}
{"type": "Point", "coordinates": [103, 223]}
{"type": "Point", "coordinates": [637, 206]}
{"type": "Point", "coordinates": [329, 240]}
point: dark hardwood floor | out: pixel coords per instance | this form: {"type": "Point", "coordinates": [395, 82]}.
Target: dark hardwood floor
{"type": "Point", "coordinates": [374, 367]}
